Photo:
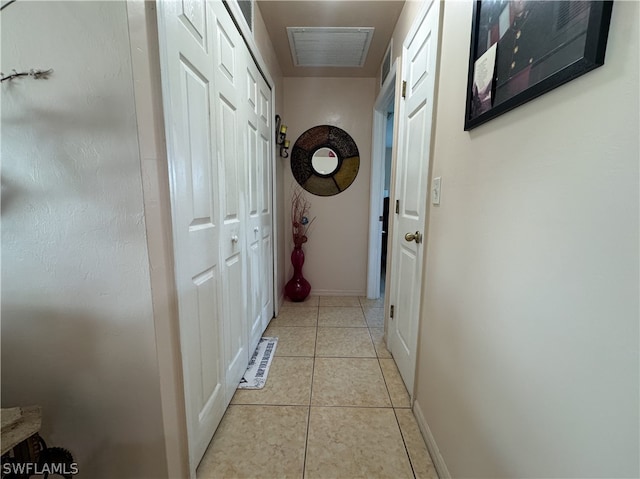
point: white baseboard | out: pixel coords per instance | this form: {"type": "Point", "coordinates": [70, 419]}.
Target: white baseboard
{"type": "Point", "coordinates": [436, 457]}
{"type": "Point", "coordinates": [335, 292]}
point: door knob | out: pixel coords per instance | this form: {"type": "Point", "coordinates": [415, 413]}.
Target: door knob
{"type": "Point", "coordinates": [234, 239]}
{"type": "Point", "coordinates": [417, 237]}
{"type": "Point", "coordinates": [256, 229]}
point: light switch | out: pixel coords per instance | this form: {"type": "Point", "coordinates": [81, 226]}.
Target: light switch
{"type": "Point", "coordinates": [435, 190]}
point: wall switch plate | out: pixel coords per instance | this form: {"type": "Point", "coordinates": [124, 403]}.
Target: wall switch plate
{"type": "Point", "coordinates": [435, 190]}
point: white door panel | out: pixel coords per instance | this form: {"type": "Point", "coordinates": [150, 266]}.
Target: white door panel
{"type": "Point", "coordinates": [265, 206]}
{"type": "Point", "coordinates": [254, 197]}
{"type": "Point", "coordinates": [258, 109]}
{"type": "Point", "coordinates": [416, 112]}
{"type": "Point", "coordinates": [188, 86]}
{"type": "Point", "coordinates": [219, 139]}
{"type": "Point", "coordinates": [229, 79]}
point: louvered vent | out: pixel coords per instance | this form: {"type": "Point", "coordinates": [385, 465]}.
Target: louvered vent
{"type": "Point", "coordinates": [385, 67]}
{"type": "Point", "coordinates": [329, 46]}
{"type": "Point", "coordinates": [246, 7]}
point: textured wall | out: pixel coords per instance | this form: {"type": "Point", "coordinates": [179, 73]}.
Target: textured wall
{"type": "Point", "coordinates": [336, 254]}
{"type": "Point", "coordinates": [528, 363]}
{"type": "Point", "coordinates": [78, 335]}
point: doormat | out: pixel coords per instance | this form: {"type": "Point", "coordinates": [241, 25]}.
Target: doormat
{"type": "Point", "coordinates": [255, 376]}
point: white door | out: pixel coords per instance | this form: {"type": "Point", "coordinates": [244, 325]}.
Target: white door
{"type": "Point", "coordinates": [412, 182]}
{"type": "Point", "coordinates": [229, 78]}
{"type": "Point", "coordinates": [194, 178]}
{"type": "Point", "coordinates": [260, 247]}
{"type": "Point", "coordinates": [265, 155]}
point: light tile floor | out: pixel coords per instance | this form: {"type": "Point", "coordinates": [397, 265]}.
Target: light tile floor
{"type": "Point", "coordinates": [334, 405]}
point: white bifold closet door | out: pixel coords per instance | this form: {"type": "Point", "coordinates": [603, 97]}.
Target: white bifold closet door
{"type": "Point", "coordinates": [219, 141]}
{"type": "Point", "coordinates": [259, 196]}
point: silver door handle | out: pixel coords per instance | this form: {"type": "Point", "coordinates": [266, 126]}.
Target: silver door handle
{"type": "Point", "coordinates": [234, 239]}
{"type": "Point", "coordinates": [256, 229]}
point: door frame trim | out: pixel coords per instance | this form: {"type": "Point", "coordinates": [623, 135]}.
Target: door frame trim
{"type": "Point", "coordinates": [385, 97]}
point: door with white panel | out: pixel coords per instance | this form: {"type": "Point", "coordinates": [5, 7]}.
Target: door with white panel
{"type": "Point", "coordinates": [229, 51]}
{"type": "Point", "coordinates": [219, 140]}
{"type": "Point", "coordinates": [252, 146]}
{"type": "Point", "coordinates": [259, 199]}
{"type": "Point", "coordinates": [185, 36]}
{"type": "Point", "coordinates": [265, 150]}
{"type": "Point", "coordinates": [412, 183]}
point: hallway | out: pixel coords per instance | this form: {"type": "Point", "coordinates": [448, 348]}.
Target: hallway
{"type": "Point", "coordinates": [334, 405]}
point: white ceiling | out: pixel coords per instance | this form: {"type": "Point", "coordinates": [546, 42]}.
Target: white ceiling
{"type": "Point", "coordinates": [379, 14]}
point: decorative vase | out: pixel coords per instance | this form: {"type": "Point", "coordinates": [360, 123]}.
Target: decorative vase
{"type": "Point", "coordinates": [298, 288]}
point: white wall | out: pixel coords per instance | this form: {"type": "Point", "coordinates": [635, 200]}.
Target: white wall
{"type": "Point", "coordinates": [336, 254]}
{"type": "Point", "coordinates": [78, 332]}
{"type": "Point", "coordinates": [528, 362]}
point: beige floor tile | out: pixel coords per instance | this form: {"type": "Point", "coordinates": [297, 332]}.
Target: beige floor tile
{"type": "Point", "coordinates": [355, 443]}
{"type": "Point", "coordinates": [418, 454]}
{"type": "Point", "coordinates": [348, 382]}
{"type": "Point", "coordinates": [292, 316]}
{"type": "Point", "coordinates": [377, 334]}
{"type": "Point", "coordinates": [257, 441]}
{"type": "Point", "coordinates": [371, 303]}
{"type": "Point", "coordinates": [395, 384]}
{"type": "Point", "coordinates": [374, 317]}
{"type": "Point", "coordinates": [344, 343]}
{"type": "Point", "coordinates": [293, 341]}
{"type": "Point", "coordinates": [309, 301]}
{"type": "Point", "coordinates": [341, 317]}
{"type": "Point", "coordinates": [288, 383]}
{"type": "Point", "coordinates": [349, 301]}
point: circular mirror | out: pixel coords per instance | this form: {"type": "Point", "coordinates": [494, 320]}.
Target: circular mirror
{"type": "Point", "coordinates": [324, 161]}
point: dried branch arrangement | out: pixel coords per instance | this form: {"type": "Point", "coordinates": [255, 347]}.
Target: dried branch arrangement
{"type": "Point", "coordinates": [300, 223]}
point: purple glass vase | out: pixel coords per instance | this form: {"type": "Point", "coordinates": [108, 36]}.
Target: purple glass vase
{"type": "Point", "coordinates": [298, 288]}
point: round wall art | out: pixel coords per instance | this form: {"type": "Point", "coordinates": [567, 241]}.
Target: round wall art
{"type": "Point", "coordinates": [325, 160]}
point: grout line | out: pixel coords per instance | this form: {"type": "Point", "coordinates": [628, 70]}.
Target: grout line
{"type": "Point", "coordinates": [313, 369]}
{"type": "Point", "coordinates": [351, 406]}
{"type": "Point", "coordinates": [384, 379]}
{"type": "Point", "coordinates": [404, 442]}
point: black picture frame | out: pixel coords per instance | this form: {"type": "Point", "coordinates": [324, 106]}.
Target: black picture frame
{"type": "Point", "coordinates": [537, 46]}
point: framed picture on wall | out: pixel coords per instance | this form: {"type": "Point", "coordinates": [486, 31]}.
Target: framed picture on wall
{"type": "Point", "coordinates": [521, 49]}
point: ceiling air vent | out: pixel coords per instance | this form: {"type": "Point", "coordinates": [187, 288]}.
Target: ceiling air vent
{"type": "Point", "coordinates": [329, 46]}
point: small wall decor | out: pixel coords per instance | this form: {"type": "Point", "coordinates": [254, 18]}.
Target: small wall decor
{"type": "Point", "coordinates": [325, 160]}
{"type": "Point", "coordinates": [281, 137]}
{"type": "Point", "coordinates": [521, 49]}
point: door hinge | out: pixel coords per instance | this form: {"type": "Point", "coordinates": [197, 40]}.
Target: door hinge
{"type": "Point", "coordinates": [404, 89]}
{"type": "Point", "coordinates": [391, 311]}
{"type": "Point", "coordinates": [397, 206]}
